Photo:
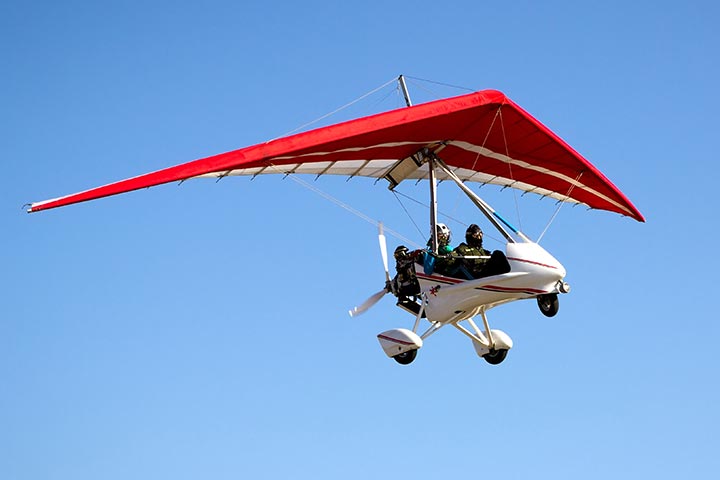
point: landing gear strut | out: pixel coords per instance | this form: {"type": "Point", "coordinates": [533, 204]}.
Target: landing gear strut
{"type": "Point", "coordinates": [491, 345]}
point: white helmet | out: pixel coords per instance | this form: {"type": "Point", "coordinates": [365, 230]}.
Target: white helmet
{"type": "Point", "coordinates": [443, 234]}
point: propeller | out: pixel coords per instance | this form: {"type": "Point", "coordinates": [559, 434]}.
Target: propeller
{"type": "Point", "coordinates": [375, 297]}
{"type": "Point", "coordinates": [365, 306]}
{"type": "Point", "coordinates": [383, 250]}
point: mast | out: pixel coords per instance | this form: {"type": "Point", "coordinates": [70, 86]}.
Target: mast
{"type": "Point", "coordinates": [403, 87]}
{"type": "Point", "coordinates": [431, 177]}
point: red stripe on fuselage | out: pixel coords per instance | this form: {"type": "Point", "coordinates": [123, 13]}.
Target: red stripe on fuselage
{"type": "Point", "coordinates": [395, 340]}
{"type": "Point", "coordinates": [495, 288]}
{"type": "Point", "coordinates": [531, 262]}
{"type": "Point", "coordinates": [440, 279]}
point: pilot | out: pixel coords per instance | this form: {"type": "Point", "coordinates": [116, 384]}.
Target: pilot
{"type": "Point", "coordinates": [405, 283]}
{"type": "Point", "coordinates": [472, 247]}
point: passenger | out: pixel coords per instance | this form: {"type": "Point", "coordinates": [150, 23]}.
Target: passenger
{"type": "Point", "coordinates": [464, 267]}
{"type": "Point", "coordinates": [440, 262]}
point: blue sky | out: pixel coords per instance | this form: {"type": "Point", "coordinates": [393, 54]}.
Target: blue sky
{"type": "Point", "coordinates": [201, 331]}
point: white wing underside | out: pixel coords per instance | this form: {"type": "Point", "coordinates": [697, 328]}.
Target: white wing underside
{"type": "Point", "coordinates": [379, 168]}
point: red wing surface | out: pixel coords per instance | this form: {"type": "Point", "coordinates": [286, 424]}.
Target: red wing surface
{"type": "Point", "coordinates": [484, 137]}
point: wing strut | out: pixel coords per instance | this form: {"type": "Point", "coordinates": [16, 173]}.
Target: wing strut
{"type": "Point", "coordinates": [486, 209]}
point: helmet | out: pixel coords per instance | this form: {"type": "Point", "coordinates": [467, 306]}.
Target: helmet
{"type": "Point", "coordinates": [400, 252]}
{"type": "Point", "coordinates": [474, 236]}
{"type": "Point", "coordinates": [443, 234]}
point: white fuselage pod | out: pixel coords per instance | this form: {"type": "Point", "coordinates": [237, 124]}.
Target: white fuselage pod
{"type": "Point", "coordinates": [533, 272]}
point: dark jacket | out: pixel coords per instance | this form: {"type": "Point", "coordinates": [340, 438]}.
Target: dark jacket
{"type": "Point", "coordinates": [468, 267]}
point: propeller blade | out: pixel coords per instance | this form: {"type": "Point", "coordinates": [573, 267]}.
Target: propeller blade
{"type": "Point", "coordinates": [377, 296]}
{"type": "Point", "coordinates": [383, 250]}
{"type": "Point", "coordinates": [367, 303]}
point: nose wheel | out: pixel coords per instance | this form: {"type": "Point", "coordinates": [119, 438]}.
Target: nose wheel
{"type": "Point", "coordinates": [548, 304]}
{"type": "Point", "coordinates": [495, 357]}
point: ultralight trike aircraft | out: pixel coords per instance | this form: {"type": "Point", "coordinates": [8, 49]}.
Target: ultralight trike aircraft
{"type": "Point", "coordinates": [481, 137]}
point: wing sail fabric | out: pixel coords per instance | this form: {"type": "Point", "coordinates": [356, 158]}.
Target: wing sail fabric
{"type": "Point", "coordinates": [483, 136]}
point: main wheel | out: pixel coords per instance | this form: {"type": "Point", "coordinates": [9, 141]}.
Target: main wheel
{"type": "Point", "coordinates": [406, 358]}
{"type": "Point", "coordinates": [549, 304]}
{"type": "Point", "coordinates": [496, 357]}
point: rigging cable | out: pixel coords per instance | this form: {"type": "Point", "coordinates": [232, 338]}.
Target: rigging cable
{"type": "Point", "coordinates": [477, 156]}
{"type": "Point", "coordinates": [507, 155]}
{"type": "Point", "coordinates": [344, 205]}
{"type": "Point", "coordinates": [407, 213]}
{"type": "Point", "coordinates": [561, 202]}
{"type": "Point", "coordinates": [445, 215]}
{"type": "Point", "coordinates": [428, 206]}
{"type": "Point", "coordinates": [301, 127]}
{"type": "Point", "coordinates": [440, 83]}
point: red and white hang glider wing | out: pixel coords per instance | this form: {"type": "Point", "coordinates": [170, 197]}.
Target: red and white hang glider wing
{"type": "Point", "coordinates": [484, 137]}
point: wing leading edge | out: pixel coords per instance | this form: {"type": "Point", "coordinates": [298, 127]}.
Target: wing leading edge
{"type": "Point", "coordinates": [483, 136]}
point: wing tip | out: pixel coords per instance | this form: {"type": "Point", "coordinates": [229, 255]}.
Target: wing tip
{"type": "Point", "coordinates": [38, 206]}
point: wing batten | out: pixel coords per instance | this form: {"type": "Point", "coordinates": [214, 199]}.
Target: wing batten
{"type": "Point", "coordinates": [325, 170]}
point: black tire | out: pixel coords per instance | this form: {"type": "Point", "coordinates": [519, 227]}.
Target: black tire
{"type": "Point", "coordinates": [406, 358]}
{"type": "Point", "coordinates": [549, 304]}
{"type": "Point", "coordinates": [496, 357]}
